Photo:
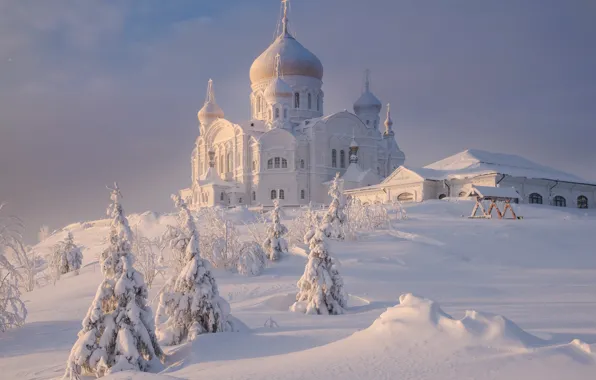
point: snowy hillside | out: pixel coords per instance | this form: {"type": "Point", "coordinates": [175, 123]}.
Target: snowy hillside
{"type": "Point", "coordinates": [437, 296]}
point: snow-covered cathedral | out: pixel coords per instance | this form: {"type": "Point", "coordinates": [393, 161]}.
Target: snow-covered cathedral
{"type": "Point", "coordinates": [289, 148]}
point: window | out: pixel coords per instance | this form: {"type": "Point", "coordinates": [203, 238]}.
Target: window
{"type": "Point", "coordinates": [368, 122]}
{"type": "Point", "coordinates": [301, 194]}
{"type": "Point", "coordinates": [342, 159]}
{"type": "Point", "coordinates": [309, 101]}
{"type": "Point", "coordinates": [229, 163]}
{"type": "Point", "coordinates": [378, 170]}
{"type": "Point", "coordinates": [269, 113]}
{"type": "Point", "coordinates": [318, 102]}
{"type": "Point", "coordinates": [284, 163]}
{"type": "Point", "coordinates": [270, 163]}
{"type": "Point", "coordinates": [559, 201]}
{"type": "Point", "coordinates": [296, 100]}
{"type": "Point", "coordinates": [582, 202]}
{"type": "Point", "coordinates": [254, 165]}
{"type": "Point", "coordinates": [281, 194]}
{"type": "Point", "coordinates": [285, 113]}
{"type": "Point", "coordinates": [277, 113]}
{"type": "Point", "coordinates": [277, 160]}
{"type": "Point", "coordinates": [273, 194]}
{"type": "Point", "coordinates": [254, 196]}
{"type": "Point", "coordinates": [301, 164]}
{"type": "Point", "coordinates": [535, 198]}
{"type": "Point", "coordinates": [442, 196]}
{"type": "Point", "coordinates": [239, 200]}
{"type": "Point", "coordinates": [333, 158]}
{"type": "Point", "coordinates": [405, 197]}
{"type": "Point", "coordinates": [258, 107]}
{"type": "Point", "coordinates": [221, 196]}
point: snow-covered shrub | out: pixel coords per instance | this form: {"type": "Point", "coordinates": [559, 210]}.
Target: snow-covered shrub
{"type": "Point", "coordinates": [147, 254]}
{"type": "Point", "coordinates": [12, 309]}
{"type": "Point", "coordinates": [364, 217]}
{"type": "Point", "coordinates": [306, 220]}
{"type": "Point", "coordinates": [334, 219]}
{"type": "Point", "coordinates": [24, 259]}
{"type": "Point", "coordinates": [275, 244]}
{"type": "Point", "coordinates": [190, 301]}
{"type": "Point", "coordinates": [65, 257]}
{"type": "Point", "coordinates": [219, 240]}
{"type": "Point", "coordinates": [118, 331]}
{"type": "Point", "coordinates": [400, 211]}
{"type": "Point", "coordinates": [321, 288]}
{"type": "Point", "coordinates": [251, 260]}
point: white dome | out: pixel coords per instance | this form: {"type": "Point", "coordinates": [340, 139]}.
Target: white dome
{"type": "Point", "coordinates": [278, 88]}
{"type": "Point", "coordinates": [295, 60]}
{"type": "Point", "coordinates": [367, 101]}
{"type": "Point", "coordinates": [210, 112]}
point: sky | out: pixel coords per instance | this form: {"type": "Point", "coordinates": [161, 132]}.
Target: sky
{"type": "Point", "coordinates": [97, 91]}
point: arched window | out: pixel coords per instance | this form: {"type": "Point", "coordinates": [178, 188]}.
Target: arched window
{"type": "Point", "coordinates": [254, 196]}
{"type": "Point", "coordinates": [582, 201]}
{"type": "Point", "coordinates": [535, 198]}
{"type": "Point", "coordinates": [301, 194]}
{"type": "Point", "coordinates": [376, 123]}
{"type": "Point", "coordinates": [405, 197]}
{"type": "Point", "coordinates": [309, 101]}
{"type": "Point", "coordinates": [333, 158]}
{"type": "Point", "coordinates": [342, 159]}
{"type": "Point", "coordinates": [273, 194]}
{"type": "Point", "coordinates": [378, 170]}
{"type": "Point", "coordinates": [221, 196]}
{"type": "Point", "coordinates": [284, 163]}
{"type": "Point", "coordinates": [442, 196]}
{"type": "Point", "coordinates": [559, 201]}
{"type": "Point", "coordinates": [270, 163]}
{"type": "Point", "coordinates": [368, 122]}
{"type": "Point", "coordinates": [239, 200]}
{"type": "Point", "coordinates": [285, 113]}
{"type": "Point", "coordinates": [229, 163]}
{"type": "Point", "coordinates": [254, 165]}
{"type": "Point", "coordinates": [296, 100]}
{"type": "Point", "coordinates": [258, 107]}
{"type": "Point", "coordinates": [281, 194]}
{"type": "Point", "coordinates": [221, 164]}
{"type": "Point", "coordinates": [301, 164]}
{"type": "Point", "coordinates": [277, 113]}
{"type": "Point", "coordinates": [277, 161]}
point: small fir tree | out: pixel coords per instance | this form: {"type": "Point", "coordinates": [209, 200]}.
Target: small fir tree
{"type": "Point", "coordinates": [191, 300]}
{"type": "Point", "coordinates": [321, 288]}
{"type": "Point", "coordinates": [275, 244]}
{"type": "Point", "coordinates": [118, 331]}
{"type": "Point", "coordinates": [334, 219]}
{"type": "Point", "coordinates": [67, 257]}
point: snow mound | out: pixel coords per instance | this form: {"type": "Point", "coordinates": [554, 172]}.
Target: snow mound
{"type": "Point", "coordinates": [426, 319]}
{"type": "Point", "coordinates": [240, 215]}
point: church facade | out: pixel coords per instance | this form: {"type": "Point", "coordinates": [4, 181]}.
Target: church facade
{"type": "Point", "coordinates": [289, 148]}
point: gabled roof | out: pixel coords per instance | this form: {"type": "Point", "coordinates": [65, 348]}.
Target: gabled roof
{"type": "Point", "coordinates": [474, 162]}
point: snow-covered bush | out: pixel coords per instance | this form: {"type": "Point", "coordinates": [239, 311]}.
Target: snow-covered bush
{"type": "Point", "coordinates": [334, 219]}
{"type": "Point", "coordinates": [190, 302]}
{"type": "Point", "coordinates": [251, 260]}
{"type": "Point", "coordinates": [66, 257]}
{"type": "Point", "coordinates": [147, 254]}
{"type": "Point", "coordinates": [321, 288]}
{"type": "Point", "coordinates": [25, 259]}
{"type": "Point", "coordinates": [118, 331]}
{"type": "Point", "coordinates": [364, 217]}
{"type": "Point", "coordinates": [275, 244]}
{"type": "Point", "coordinates": [306, 220]}
{"type": "Point", "coordinates": [219, 240]}
{"type": "Point", "coordinates": [12, 309]}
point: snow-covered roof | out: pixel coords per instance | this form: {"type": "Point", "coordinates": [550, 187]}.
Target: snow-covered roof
{"type": "Point", "coordinates": [474, 162]}
{"type": "Point", "coordinates": [496, 192]}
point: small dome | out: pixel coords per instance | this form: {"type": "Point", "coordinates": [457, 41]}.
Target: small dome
{"type": "Point", "coordinates": [210, 111]}
{"type": "Point", "coordinates": [278, 88]}
{"type": "Point", "coordinates": [368, 102]}
{"type": "Point", "coordinates": [295, 60]}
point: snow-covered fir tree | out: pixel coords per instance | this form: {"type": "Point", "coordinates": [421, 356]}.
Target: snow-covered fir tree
{"type": "Point", "coordinates": [335, 217]}
{"type": "Point", "coordinates": [191, 300]}
{"type": "Point", "coordinates": [118, 331]}
{"type": "Point", "coordinates": [275, 244]}
{"type": "Point", "coordinates": [321, 288]}
{"type": "Point", "coordinates": [251, 260]}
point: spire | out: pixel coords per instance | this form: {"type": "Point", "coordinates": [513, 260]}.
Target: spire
{"type": "Point", "coordinates": [388, 122]}
{"type": "Point", "coordinates": [284, 20]}
{"type": "Point", "coordinates": [210, 98]}
{"type": "Point", "coordinates": [367, 80]}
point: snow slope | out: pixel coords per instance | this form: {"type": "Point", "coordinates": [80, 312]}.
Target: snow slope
{"type": "Point", "coordinates": [539, 272]}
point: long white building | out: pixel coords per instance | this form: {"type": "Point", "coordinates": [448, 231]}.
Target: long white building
{"type": "Point", "coordinates": [288, 148]}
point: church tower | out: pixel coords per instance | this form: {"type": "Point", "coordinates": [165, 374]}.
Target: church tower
{"type": "Point", "coordinates": [210, 111]}
{"type": "Point", "coordinates": [395, 156]}
{"type": "Point", "coordinates": [368, 106]}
